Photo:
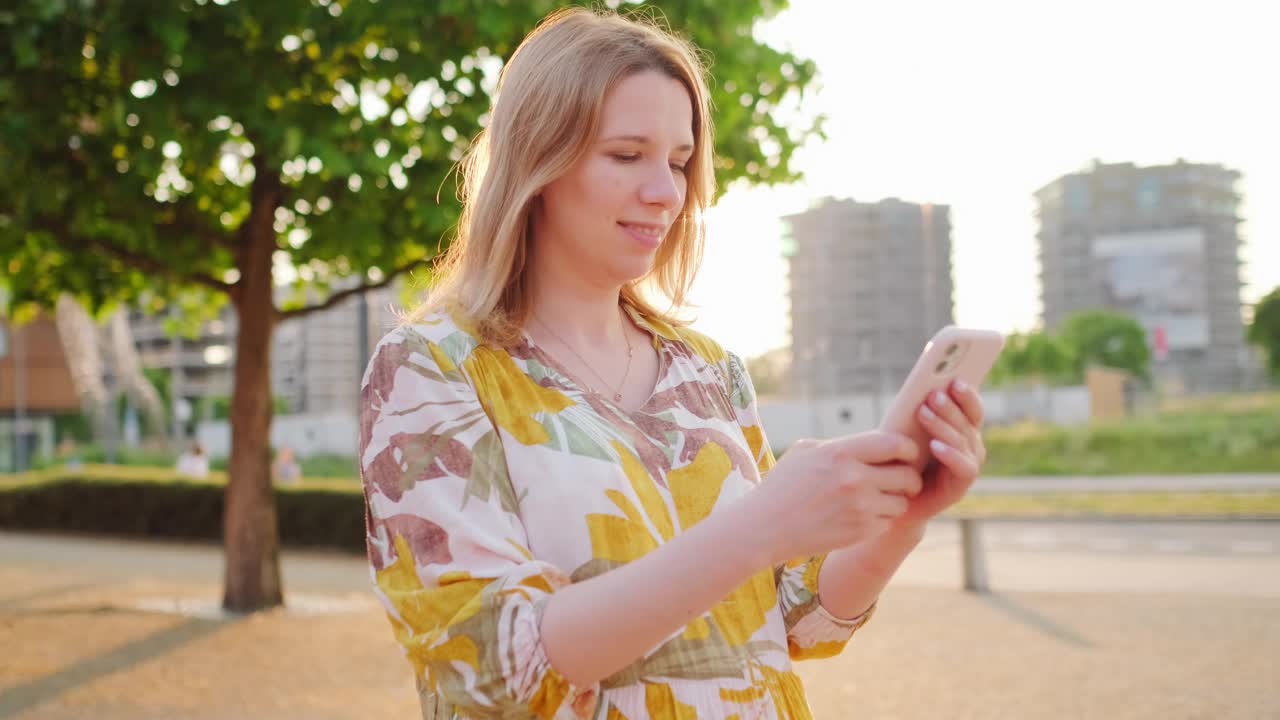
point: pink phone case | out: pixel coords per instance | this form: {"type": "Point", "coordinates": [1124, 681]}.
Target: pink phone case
{"type": "Point", "coordinates": [954, 352]}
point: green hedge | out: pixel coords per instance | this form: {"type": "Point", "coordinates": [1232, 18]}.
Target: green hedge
{"type": "Point", "coordinates": [316, 514]}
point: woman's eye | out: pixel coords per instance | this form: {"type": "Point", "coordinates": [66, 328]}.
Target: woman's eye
{"type": "Point", "coordinates": [678, 167]}
{"type": "Point", "coordinates": [626, 157]}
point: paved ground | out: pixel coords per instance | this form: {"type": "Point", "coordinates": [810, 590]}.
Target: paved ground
{"type": "Point", "coordinates": [1108, 537]}
{"type": "Point", "coordinates": [109, 629]}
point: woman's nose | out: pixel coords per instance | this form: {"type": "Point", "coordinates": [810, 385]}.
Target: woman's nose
{"type": "Point", "coordinates": [661, 188]}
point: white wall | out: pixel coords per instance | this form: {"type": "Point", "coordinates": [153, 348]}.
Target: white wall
{"type": "Point", "coordinates": [307, 434]}
{"type": "Point", "coordinates": [786, 421]}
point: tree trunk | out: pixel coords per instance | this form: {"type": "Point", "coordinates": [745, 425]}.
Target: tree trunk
{"type": "Point", "coordinates": [250, 531]}
{"type": "Point", "coordinates": [128, 368]}
{"type": "Point", "coordinates": [79, 336]}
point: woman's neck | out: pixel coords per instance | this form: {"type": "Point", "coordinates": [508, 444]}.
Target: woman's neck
{"type": "Point", "coordinates": [584, 317]}
{"type": "Point", "coordinates": [577, 311]}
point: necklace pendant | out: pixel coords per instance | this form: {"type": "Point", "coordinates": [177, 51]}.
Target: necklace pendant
{"type": "Point", "coordinates": [617, 397]}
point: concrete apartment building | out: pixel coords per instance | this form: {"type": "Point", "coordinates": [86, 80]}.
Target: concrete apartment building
{"type": "Point", "coordinates": [1160, 243]}
{"type": "Point", "coordinates": [869, 283]}
{"type": "Point", "coordinates": [316, 360]}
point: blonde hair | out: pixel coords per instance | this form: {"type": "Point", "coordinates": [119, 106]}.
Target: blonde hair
{"type": "Point", "coordinates": [545, 115]}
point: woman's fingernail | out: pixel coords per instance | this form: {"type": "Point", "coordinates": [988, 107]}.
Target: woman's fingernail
{"type": "Point", "coordinates": [940, 398]}
{"type": "Point", "coordinates": [927, 413]}
{"type": "Point", "coordinates": [938, 445]}
{"type": "Point", "coordinates": [962, 386]}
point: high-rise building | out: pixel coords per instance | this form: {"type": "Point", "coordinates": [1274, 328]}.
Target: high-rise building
{"type": "Point", "coordinates": [1160, 243]}
{"type": "Point", "coordinates": [870, 284]}
{"type": "Point", "coordinates": [200, 366]}
{"type": "Point", "coordinates": [317, 360]}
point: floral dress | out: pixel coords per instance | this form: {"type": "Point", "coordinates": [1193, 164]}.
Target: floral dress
{"type": "Point", "coordinates": [492, 480]}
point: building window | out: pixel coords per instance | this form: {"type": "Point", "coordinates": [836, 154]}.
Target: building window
{"type": "Point", "coordinates": [1077, 197]}
{"type": "Point", "coordinates": [1148, 195]}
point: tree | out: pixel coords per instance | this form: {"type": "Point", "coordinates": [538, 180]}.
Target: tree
{"type": "Point", "coordinates": [1264, 331]}
{"type": "Point", "coordinates": [1037, 355]}
{"type": "Point", "coordinates": [197, 152]}
{"type": "Point", "coordinates": [80, 343]}
{"type": "Point", "coordinates": [769, 371]}
{"type": "Point", "coordinates": [126, 363]}
{"type": "Point", "coordinates": [1107, 338]}
{"type": "Point", "coordinates": [84, 342]}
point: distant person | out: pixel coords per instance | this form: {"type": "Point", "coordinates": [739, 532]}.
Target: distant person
{"type": "Point", "coordinates": [565, 507]}
{"type": "Point", "coordinates": [69, 453]}
{"type": "Point", "coordinates": [194, 462]}
{"type": "Point", "coordinates": [286, 470]}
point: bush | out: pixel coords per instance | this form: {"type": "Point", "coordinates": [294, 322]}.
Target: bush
{"type": "Point", "coordinates": [155, 503]}
{"type": "Point", "coordinates": [125, 455]}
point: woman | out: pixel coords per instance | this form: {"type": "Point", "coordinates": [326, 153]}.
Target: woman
{"type": "Point", "coordinates": [565, 508]}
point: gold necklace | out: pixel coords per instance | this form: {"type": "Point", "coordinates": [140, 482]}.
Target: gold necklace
{"type": "Point", "coordinates": [617, 390]}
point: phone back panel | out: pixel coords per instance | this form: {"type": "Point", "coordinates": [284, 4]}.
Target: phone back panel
{"type": "Point", "coordinates": [953, 353]}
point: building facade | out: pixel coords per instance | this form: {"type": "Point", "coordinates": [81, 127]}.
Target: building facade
{"type": "Point", "coordinates": [1160, 243]}
{"type": "Point", "coordinates": [869, 285]}
{"type": "Point", "coordinates": [317, 360]}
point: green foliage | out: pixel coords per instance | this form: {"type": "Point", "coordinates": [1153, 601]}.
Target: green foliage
{"type": "Point", "coordinates": [218, 407]}
{"type": "Point", "coordinates": [335, 468]}
{"type": "Point", "coordinates": [125, 456]}
{"type": "Point", "coordinates": [329, 466]}
{"type": "Point", "coordinates": [1037, 356]}
{"type": "Point", "coordinates": [1107, 338]}
{"type": "Point", "coordinates": [1181, 442]}
{"type": "Point", "coordinates": [1264, 331]}
{"type": "Point", "coordinates": [72, 426]}
{"type": "Point", "coordinates": [137, 138]}
{"type": "Point", "coordinates": [1091, 337]}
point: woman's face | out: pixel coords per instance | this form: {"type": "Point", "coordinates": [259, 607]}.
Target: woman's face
{"type": "Point", "coordinates": [606, 217]}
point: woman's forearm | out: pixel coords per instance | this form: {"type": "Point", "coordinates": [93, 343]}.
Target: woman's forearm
{"type": "Point", "coordinates": [597, 627]}
{"type": "Point", "coordinates": [852, 578]}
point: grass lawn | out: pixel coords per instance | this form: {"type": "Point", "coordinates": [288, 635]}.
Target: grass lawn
{"type": "Point", "coordinates": [1226, 434]}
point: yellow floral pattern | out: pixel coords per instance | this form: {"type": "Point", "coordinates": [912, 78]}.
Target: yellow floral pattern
{"type": "Point", "coordinates": [492, 480]}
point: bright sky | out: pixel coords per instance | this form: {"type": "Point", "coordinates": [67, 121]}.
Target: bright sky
{"type": "Point", "coordinates": [977, 105]}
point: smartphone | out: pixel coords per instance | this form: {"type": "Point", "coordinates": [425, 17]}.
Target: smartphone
{"type": "Point", "coordinates": [953, 353]}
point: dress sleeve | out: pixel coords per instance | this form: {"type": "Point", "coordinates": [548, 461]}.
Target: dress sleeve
{"type": "Point", "coordinates": [448, 553]}
{"type": "Point", "coordinates": [812, 631]}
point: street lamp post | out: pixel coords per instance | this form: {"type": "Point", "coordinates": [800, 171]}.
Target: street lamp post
{"type": "Point", "coordinates": [362, 336]}
{"type": "Point", "coordinates": [19, 401]}
{"type": "Point", "coordinates": [176, 387]}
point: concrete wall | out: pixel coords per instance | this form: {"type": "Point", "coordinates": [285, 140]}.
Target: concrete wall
{"type": "Point", "coordinates": [786, 421]}
{"type": "Point", "coordinates": [311, 434]}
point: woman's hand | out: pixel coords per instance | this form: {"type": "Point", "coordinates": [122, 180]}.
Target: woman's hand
{"type": "Point", "coordinates": [953, 420]}
{"type": "Point", "coordinates": [830, 494]}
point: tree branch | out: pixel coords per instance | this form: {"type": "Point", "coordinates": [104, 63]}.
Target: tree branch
{"type": "Point", "coordinates": [338, 297]}
{"type": "Point", "coordinates": [134, 258]}
{"type": "Point", "coordinates": [187, 219]}
{"type": "Point", "coordinates": [146, 262]}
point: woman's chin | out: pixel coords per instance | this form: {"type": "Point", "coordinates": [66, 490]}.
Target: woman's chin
{"type": "Point", "coordinates": [632, 271]}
